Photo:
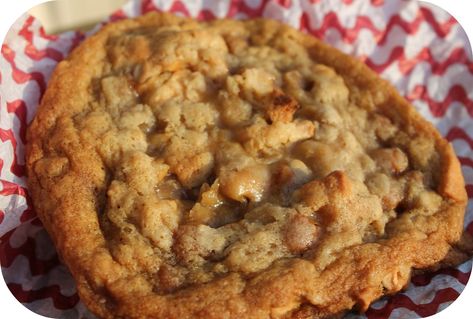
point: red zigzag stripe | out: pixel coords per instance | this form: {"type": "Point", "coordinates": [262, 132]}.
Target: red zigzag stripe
{"type": "Point", "coordinates": [179, 7]}
{"type": "Point", "coordinates": [424, 310]}
{"type": "Point", "coordinates": [349, 2]}
{"type": "Point", "coordinates": [28, 214]}
{"type": "Point", "coordinates": [147, 6]}
{"type": "Point", "coordinates": [18, 107]}
{"type": "Point", "coordinates": [8, 135]}
{"type": "Point", "coordinates": [49, 37]}
{"type": "Point", "coordinates": [9, 188]}
{"type": "Point", "coordinates": [466, 161]}
{"type": "Point", "coordinates": [176, 7]}
{"type": "Point", "coordinates": [54, 292]}
{"type": "Point", "coordinates": [425, 279]}
{"type": "Point", "coordinates": [456, 94]}
{"type": "Point", "coordinates": [20, 76]}
{"type": "Point", "coordinates": [243, 7]}
{"type": "Point", "coordinates": [456, 133]}
{"type": "Point", "coordinates": [284, 3]}
{"type": "Point", "coordinates": [31, 51]}
{"type": "Point", "coordinates": [118, 15]}
{"type": "Point", "coordinates": [457, 56]}
{"type": "Point", "coordinates": [8, 254]}
{"type": "Point", "coordinates": [234, 8]}
{"type": "Point", "coordinates": [350, 35]}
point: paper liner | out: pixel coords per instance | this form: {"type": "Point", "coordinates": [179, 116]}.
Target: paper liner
{"type": "Point", "coordinates": [421, 49]}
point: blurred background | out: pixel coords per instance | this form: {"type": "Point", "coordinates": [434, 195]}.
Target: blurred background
{"type": "Point", "coordinates": [63, 15]}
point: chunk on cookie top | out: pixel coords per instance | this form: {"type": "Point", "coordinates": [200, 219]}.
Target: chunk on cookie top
{"type": "Point", "coordinates": [235, 156]}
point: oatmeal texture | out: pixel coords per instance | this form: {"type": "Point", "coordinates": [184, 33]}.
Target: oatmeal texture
{"type": "Point", "coordinates": [235, 169]}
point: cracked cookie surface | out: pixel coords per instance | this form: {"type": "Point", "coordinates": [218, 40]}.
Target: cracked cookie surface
{"type": "Point", "coordinates": [235, 169]}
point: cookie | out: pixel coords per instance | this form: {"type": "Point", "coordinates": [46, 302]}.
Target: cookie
{"type": "Point", "coordinates": [235, 169]}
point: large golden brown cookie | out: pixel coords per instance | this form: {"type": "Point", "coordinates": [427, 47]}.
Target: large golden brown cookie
{"type": "Point", "coordinates": [235, 169]}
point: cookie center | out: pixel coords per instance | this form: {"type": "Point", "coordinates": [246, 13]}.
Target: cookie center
{"type": "Point", "coordinates": [230, 153]}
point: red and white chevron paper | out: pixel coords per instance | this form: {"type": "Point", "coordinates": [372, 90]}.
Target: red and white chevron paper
{"type": "Point", "coordinates": [421, 49]}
